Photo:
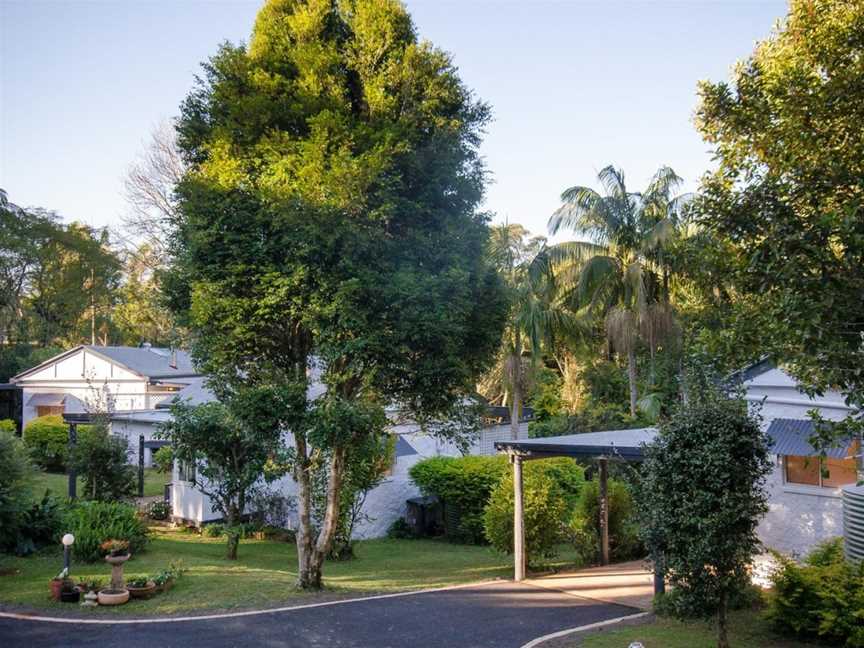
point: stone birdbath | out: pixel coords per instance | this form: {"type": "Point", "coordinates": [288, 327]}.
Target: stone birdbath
{"type": "Point", "coordinates": [116, 562]}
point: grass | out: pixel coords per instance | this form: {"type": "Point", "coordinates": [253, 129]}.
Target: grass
{"type": "Point", "coordinates": [263, 575]}
{"type": "Point", "coordinates": [58, 483]}
{"type": "Point", "coordinates": [747, 629]}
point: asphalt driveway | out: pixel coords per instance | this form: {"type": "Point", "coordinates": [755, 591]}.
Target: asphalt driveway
{"type": "Point", "coordinates": [495, 615]}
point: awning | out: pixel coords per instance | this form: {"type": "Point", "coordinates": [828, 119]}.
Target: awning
{"type": "Point", "coordinates": [613, 444]}
{"type": "Point", "coordinates": [403, 448]}
{"type": "Point", "coordinates": [46, 400]}
{"type": "Point", "coordinates": [789, 437]}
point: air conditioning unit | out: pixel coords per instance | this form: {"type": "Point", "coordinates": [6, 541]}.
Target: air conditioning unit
{"type": "Point", "coordinates": [853, 521]}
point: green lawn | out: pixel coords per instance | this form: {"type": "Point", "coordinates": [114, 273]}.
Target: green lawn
{"type": "Point", "coordinates": [748, 629]}
{"type": "Point", "coordinates": [264, 575]}
{"type": "Point", "coordinates": [58, 483]}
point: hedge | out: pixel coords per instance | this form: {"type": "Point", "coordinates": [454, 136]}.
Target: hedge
{"type": "Point", "coordinates": [8, 425]}
{"type": "Point", "coordinates": [47, 439]}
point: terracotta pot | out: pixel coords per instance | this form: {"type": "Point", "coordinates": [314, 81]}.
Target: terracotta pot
{"type": "Point", "coordinates": [56, 588]}
{"type": "Point", "coordinates": [113, 597]}
{"type": "Point", "coordinates": [142, 592]}
{"type": "Point", "coordinates": [167, 585]}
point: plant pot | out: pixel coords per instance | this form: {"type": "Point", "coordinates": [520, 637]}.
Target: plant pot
{"type": "Point", "coordinates": [70, 596]}
{"type": "Point", "coordinates": [142, 592]}
{"type": "Point", "coordinates": [167, 585]}
{"type": "Point", "coordinates": [113, 597]}
{"type": "Point", "coordinates": [56, 588]}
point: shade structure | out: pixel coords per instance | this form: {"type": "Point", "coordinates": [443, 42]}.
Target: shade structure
{"type": "Point", "coordinates": [46, 400]}
{"type": "Point", "coordinates": [612, 444]}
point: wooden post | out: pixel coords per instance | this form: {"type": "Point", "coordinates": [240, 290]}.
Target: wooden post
{"type": "Point", "coordinates": [518, 521]}
{"type": "Point", "coordinates": [604, 511]}
{"type": "Point", "coordinates": [140, 465]}
{"type": "Point", "coordinates": [70, 469]}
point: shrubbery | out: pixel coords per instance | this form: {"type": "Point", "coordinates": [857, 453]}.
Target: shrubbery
{"type": "Point", "coordinates": [822, 598]}
{"type": "Point", "coordinates": [464, 485]}
{"type": "Point", "coordinates": [624, 543]}
{"type": "Point", "coordinates": [92, 523]}
{"type": "Point", "coordinates": [47, 439]}
{"type": "Point", "coordinates": [102, 461]}
{"type": "Point", "coordinates": [550, 490]}
{"type": "Point", "coordinates": [8, 425]}
{"type": "Point", "coordinates": [163, 459]}
{"type": "Point", "coordinates": [15, 470]}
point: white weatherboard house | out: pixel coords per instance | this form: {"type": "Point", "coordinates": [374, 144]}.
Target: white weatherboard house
{"type": "Point", "coordinates": [127, 381]}
{"type": "Point", "coordinates": [805, 505]}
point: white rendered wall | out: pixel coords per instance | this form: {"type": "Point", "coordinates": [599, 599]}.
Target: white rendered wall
{"type": "Point", "coordinates": [799, 516]}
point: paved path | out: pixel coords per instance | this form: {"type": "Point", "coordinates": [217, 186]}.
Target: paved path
{"type": "Point", "coordinates": [630, 583]}
{"type": "Point", "coordinates": [495, 615]}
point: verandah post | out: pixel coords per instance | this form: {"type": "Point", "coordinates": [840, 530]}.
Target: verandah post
{"type": "Point", "coordinates": [604, 510]}
{"type": "Point", "coordinates": [140, 465]}
{"type": "Point", "coordinates": [518, 520]}
{"type": "Point", "coordinates": [73, 476]}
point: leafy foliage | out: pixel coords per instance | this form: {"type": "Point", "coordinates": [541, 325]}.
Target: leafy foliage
{"type": "Point", "coordinates": [163, 459]}
{"type": "Point", "coordinates": [15, 469]}
{"type": "Point", "coordinates": [624, 543]}
{"type": "Point", "coordinates": [702, 494]}
{"type": "Point", "coordinates": [822, 599]}
{"type": "Point", "coordinates": [102, 460]}
{"type": "Point", "coordinates": [40, 525]}
{"type": "Point", "coordinates": [94, 523]}
{"type": "Point", "coordinates": [464, 485]}
{"type": "Point", "coordinates": [47, 438]}
{"type": "Point", "coordinates": [8, 426]}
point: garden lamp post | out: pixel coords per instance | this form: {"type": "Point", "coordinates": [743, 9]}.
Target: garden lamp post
{"type": "Point", "coordinates": [68, 541]}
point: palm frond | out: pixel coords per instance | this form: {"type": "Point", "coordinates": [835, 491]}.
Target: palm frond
{"type": "Point", "coordinates": [613, 183]}
{"type": "Point", "coordinates": [581, 207]}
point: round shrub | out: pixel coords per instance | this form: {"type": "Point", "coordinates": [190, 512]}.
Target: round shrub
{"type": "Point", "coordinates": [463, 484]}
{"type": "Point", "coordinates": [47, 439]}
{"type": "Point", "coordinates": [92, 523]}
{"type": "Point", "coordinates": [8, 425]}
{"type": "Point", "coordinates": [624, 541]}
{"type": "Point", "coordinates": [545, 511]}
{"type": "Point", "coordinates": [102, 461]}
{"type": "Point", "coordinates": [159, 510]}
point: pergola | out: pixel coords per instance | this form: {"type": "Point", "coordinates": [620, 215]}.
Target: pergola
{"type": "Point", "coordinates": [602, 447]}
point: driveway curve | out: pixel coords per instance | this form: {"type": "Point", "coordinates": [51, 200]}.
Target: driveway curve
{"type": "Point", "coordinates": [493, 615]}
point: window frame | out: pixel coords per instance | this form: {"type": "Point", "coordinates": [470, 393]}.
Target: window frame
{"type": "Point", "coordinates": [821, 485]}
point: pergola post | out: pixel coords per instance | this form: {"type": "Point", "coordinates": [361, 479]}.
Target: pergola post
{"type": "Point", "coordinates": [518, 520]}
{"type": "Point", "coordinates": [140, 465]}
{"type": "Point", "coordinates": [604, 510]}
{"type": "Point", "coordinates": [70, 466]}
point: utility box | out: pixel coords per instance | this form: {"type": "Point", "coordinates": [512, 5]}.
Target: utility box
{"type": "Point", "coordinates": [425, 516]}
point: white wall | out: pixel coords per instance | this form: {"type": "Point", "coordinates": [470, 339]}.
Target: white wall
{"type": "Point", "coordinates": [799, 516]}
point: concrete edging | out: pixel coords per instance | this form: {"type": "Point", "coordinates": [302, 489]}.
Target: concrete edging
{"type": "Point", "coordinates": [591, 626]}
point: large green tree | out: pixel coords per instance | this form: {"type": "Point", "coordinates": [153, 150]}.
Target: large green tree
{"type": "Point", "coordinates": [786, 198]}
{"type": "Point", "coordinates": [327, 227]}
{"type": "Point", "coordinates": [619, 272]}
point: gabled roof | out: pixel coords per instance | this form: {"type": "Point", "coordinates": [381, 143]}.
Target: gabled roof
{"type": "Point", "coordinates": [751, 371]}
{"type": "Point", "coordinates": [792, 437]}
{"type": "Point", "coordinates": [194, 393]}
{"type": "Point", "coordinates": [148, 362]}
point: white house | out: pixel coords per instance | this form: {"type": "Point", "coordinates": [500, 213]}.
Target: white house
{"type": "Point", "coordinates": [805, 497]}
{"type": "Point", "coordinates": [125, 381]}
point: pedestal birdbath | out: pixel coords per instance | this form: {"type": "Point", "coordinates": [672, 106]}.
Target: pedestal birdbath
{"type": "Point", "coordinates": [116, 563]}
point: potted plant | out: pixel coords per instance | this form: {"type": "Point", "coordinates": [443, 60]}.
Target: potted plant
{"type": "Point", "coordinates": [166, 578]}
{"type": "Point", "coordinates": [113, 596]}
{"type": "Point", "coordinates": [141, 588]}
{"type": "Point", "coordinates": [57, 584]}
{"type": "Point", "coordinates": [68, 592]}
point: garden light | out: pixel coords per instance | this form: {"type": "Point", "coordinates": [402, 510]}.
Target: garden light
{"type": "Point", "coordinates": [68, 540]}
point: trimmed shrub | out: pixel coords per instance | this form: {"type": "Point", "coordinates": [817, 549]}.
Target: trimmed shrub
{"type": "Point", "coordinates": [545, 511]}
{"type": "Point", "coordinates": [8, 425]}
{"type": "Point", "coordinates": [159, 510]}
{"type": "Point", "coordinates": [464, 485]}
{"type": "Point", "coordinates": [92, 523]}
{"type": "Point", "coordinates": [47, 439]}
{"type": "Point", "coordinates": [624, 543]}
{"type": "Point", "coordinates": [821, 599]}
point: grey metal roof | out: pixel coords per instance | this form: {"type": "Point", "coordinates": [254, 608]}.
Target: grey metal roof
{"type": "Point", "coordinates": [152, 362]}
{"type": "Point", "coordinates": [789, 437]}
{"type": "Point", "coordinates": [46, 400]}
{"type": "Point", "coordinates": [625, 444]}
{"type": "Point", "coordinates": [403, 448]}
{"type": "Point", "coordinates": [194, 393]}
{"type": "Point", "coordinates": [142, 416]}
{"type": "Point", "coordinates": [751, 371]}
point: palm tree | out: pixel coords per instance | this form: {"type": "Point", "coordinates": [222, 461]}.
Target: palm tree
{"type": "Point", "coordinates": [536, 314]}
{"type": "Point", "coordinates": [620, 273]}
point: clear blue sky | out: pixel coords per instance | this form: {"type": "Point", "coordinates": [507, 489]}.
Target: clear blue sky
{"type": "Point", "coordinates": [574, 86]}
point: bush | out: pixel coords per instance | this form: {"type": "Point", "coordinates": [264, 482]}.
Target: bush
{"type": "Point", "coordinates": [15, 471]}
{"type": "Point", "coordinates": [624, 543]}
{"type": "Point", "coordinates": [163, 459]}
{"type": "Point", "coordinates": [159, 510]}
{"type": "Point", "coordinates": [464, 485]}
{"type": "Point", "coordinates": [401, 530]}
{"type": "Point", "coordinates": [102, 461]}
{"type": "Point", "coordinates": [47, 439]}
{"type": "Point", "coordinates": [40, 526]}
{"type": "Point", "coordinates": [214, 530]}
{"type": "Point", "coordinates": [92, 523]}
{"type": "Point", "coordinates": [679, 604]}
{"type": "Point", "coordinates": [545, 509]}
{"type": "Point", "coordinates": [8, 425]}
{"type": "Point", "coordinates": [821, 599]}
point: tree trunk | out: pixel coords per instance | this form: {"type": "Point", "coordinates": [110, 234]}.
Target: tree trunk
{"type": "Point", "coordinates": [312, 551]}
{"type": "Point", "coordinates": [631, 377]}
{"type": "Point", "coordinates": [516, 379]}
{"type": "Point", "coordinates": [232, 534]}
{"type": "Point", "coordinates": [722, 626]}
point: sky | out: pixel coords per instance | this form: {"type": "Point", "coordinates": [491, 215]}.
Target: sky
{"type": "Point", "coordinates": [573, 86]}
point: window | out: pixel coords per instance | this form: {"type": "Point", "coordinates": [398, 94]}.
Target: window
{"type": "Point", "coordinates": [827, 473]}
{"type": "Point", "coordinates": [49, 410]}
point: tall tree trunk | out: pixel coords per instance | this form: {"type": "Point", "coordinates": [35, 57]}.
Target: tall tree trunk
{"type": "Point", "coordinates": [232, 533]}
{"type": "Point", "coordinates": [631, 377]}
{"type": "Point", "coordinates": [306, 578]}
{"type": "Point", "coordinates": [722, 622]}
{"type": "Point", "coordinates": [516, 378]}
